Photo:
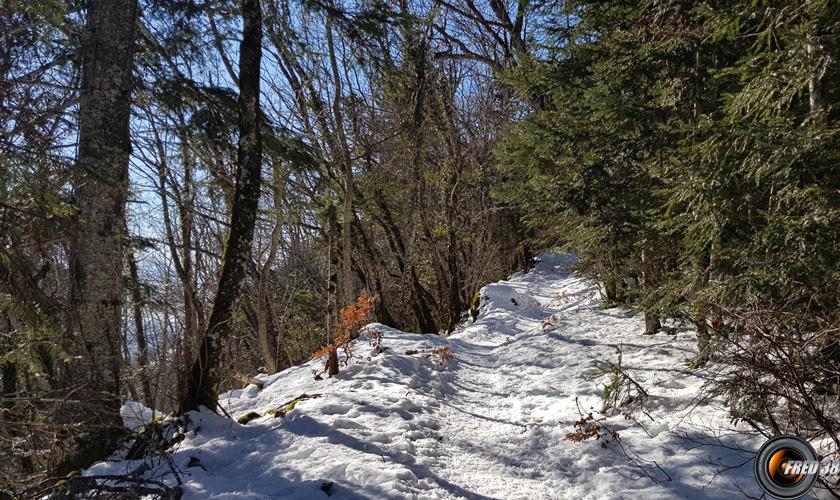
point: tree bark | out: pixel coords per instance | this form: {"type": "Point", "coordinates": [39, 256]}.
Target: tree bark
{"type": "Point", "coordinates": [331, 366]}
{"type": "Point", "coordinates": [183, 262]}
{"type": "Point", "coordinates": [140, 333]}
{"type": "Point", "coordinates": [417, 47]}
{"type": "Point", "coordinates": [267, 341]}
{"type": "Point", "coordinates": [652, 323]}
{"type": "Point", "coordinates": [450, 129]}
{"type": "Point", "coordinates": [347, 291]}
{"type": "Point", "coordinates": [10, 379]}
{"type": "Point", "coordinates": [704, 338]}
{"type": "Point", "coordinates": [204, 374]}
{"type": "Point", "coordinates": [96, 247]}
{"type": "Point", "coordinates": [9, 372]}
{"type": "Point", "coordinates": [612, 289]}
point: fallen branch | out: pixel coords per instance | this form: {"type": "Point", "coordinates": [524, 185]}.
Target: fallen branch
{"type": "Point", "coordinates": [283, 409]}
{"type": "Point", "coordinates": [74, 487]}
{"type": "Point", "coordinates": [247, 379]}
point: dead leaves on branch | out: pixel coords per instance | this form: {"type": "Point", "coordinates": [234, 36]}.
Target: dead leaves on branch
{"type": "Point", "coordinates": [589, 427]}
{"type": "Point", "coordinates": [350, 319]}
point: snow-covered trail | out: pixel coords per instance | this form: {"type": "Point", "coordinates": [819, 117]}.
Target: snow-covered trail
{"type": "Point", "coordinates": [521, 384]}
{"type": "Point", "coordinates": [490, 424]}
{"type": "Point", "coordinates": [505, 388]}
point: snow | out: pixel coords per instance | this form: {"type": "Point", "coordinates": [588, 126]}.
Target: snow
{"type": "Point", "coordinates": [135, 415]}
{"type": "Point", "coordinates": [489, 424]}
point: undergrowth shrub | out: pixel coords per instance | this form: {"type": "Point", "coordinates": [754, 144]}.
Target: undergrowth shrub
{"type": "Point", "coordinates": [376, 341]}
{"type": "Point", "coordinates": [349, 319]}
{"type": "Point", "coordinates": [782, 374]}
{"type": "Point", "coordinates": [442, 356]}
{"type": "Point", "coordinates": [620, 392]}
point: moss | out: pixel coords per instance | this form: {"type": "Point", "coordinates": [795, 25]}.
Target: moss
{"type": "Point", "coordinates": [289, 407]}
{"type": "Point", "coordinates": [282, 411]}
{"type": "Point", "coordinates": [251, 415]}
{"type": "Point", "coordinates": [474, 304]}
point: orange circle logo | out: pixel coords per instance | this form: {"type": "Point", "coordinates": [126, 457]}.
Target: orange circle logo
{"type": "Point", "coordinates": [779, 467]}
{"type": "Point", "coordinates": [786, 467]}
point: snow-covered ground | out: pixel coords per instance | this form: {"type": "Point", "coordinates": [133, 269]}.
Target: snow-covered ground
{"type": "Point", "coordinates": [491, 423]}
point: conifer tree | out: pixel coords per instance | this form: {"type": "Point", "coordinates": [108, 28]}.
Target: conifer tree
{"type": "Point", "coordinates": [96, 248]}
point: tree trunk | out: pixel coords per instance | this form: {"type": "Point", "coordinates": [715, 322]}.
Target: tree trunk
{"type": "Point", "coordinates": [332, 288]}
{"type": "Point", "coordinates": [183, 262]}
{"type": "Point", "coordinates": [421, 311]}
{"type": "Point", "coordinates": [454, 303]}
{"type": "Point", "coordinates": [193, 319]}
{"type": "Point", "coordinates": [613, 290]}
{"type": "Point", "coordinates": [704, 339]}
{"type": "Point", "coordinates": [268, 344]}
{"type": "Point", "coordinates": [204, 376]}
{"type": "Point", "coordinates": [9, 373]}
{"type": "Point", "coordinates": [10, 376]}
{"type": "Point", "coordinates": [96, 248]}
{"type": "Point", "coordinates": [652, 324]}
{"type": "Point", "coordinates": [372, 279]}
{"type": "Point", "coordinates": [347, 291]}
{"type": "Point", "coordinates": [140, 333]}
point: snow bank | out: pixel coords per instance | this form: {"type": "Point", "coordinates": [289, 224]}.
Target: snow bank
{"type": "Point", "coordinates": [135, 415]}
{"type": "Point", "coordinates": [490, 424]}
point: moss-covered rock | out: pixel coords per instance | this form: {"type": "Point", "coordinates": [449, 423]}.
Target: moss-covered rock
{"type": "Point", "coordinates": [283, 409]}
{"type": "Point", "coordinates": [251, 415]}
{"type": "Point", "coordinates": [474, 304]}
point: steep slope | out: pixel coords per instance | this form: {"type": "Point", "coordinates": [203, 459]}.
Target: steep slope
{"type": "Point", "coordinates": [491, 423]}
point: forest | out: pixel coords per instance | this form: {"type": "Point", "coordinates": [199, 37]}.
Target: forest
{"type": "Point", "coordinates": [197, 192]}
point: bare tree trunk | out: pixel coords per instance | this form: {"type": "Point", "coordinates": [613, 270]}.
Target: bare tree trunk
{"type": "Point", "coordinates": [140, 333]}
{"type": "Point", "coordinates": [395, 240]}
{"type": "Point", "coordinates": [187, 270]}
{"type": "Point", "coordinates": [10, 379]}
{"type": "Point", "coordinates": [204, 374]}
{"type": "Point", "coordinates": [704, 338]}
{"type": "Point", "coordinates": [450, 129]}
{"type": "Point", "coordinates": [347, 291]}
{"type": "Point", "coordinates": [9, 373]}
{"type": "Point", "coordinates": [183, 262]}
{"type": "Point", "coordinates": [96, 248]}
{"type": "Point", "coordinates": [652, 323]}
{"type": "Point", "coordinates": [425, 320]}
{"type": "Point", "coordinates": [268, 345]}
{"type": "Point", "coordinates": [332, 289]}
